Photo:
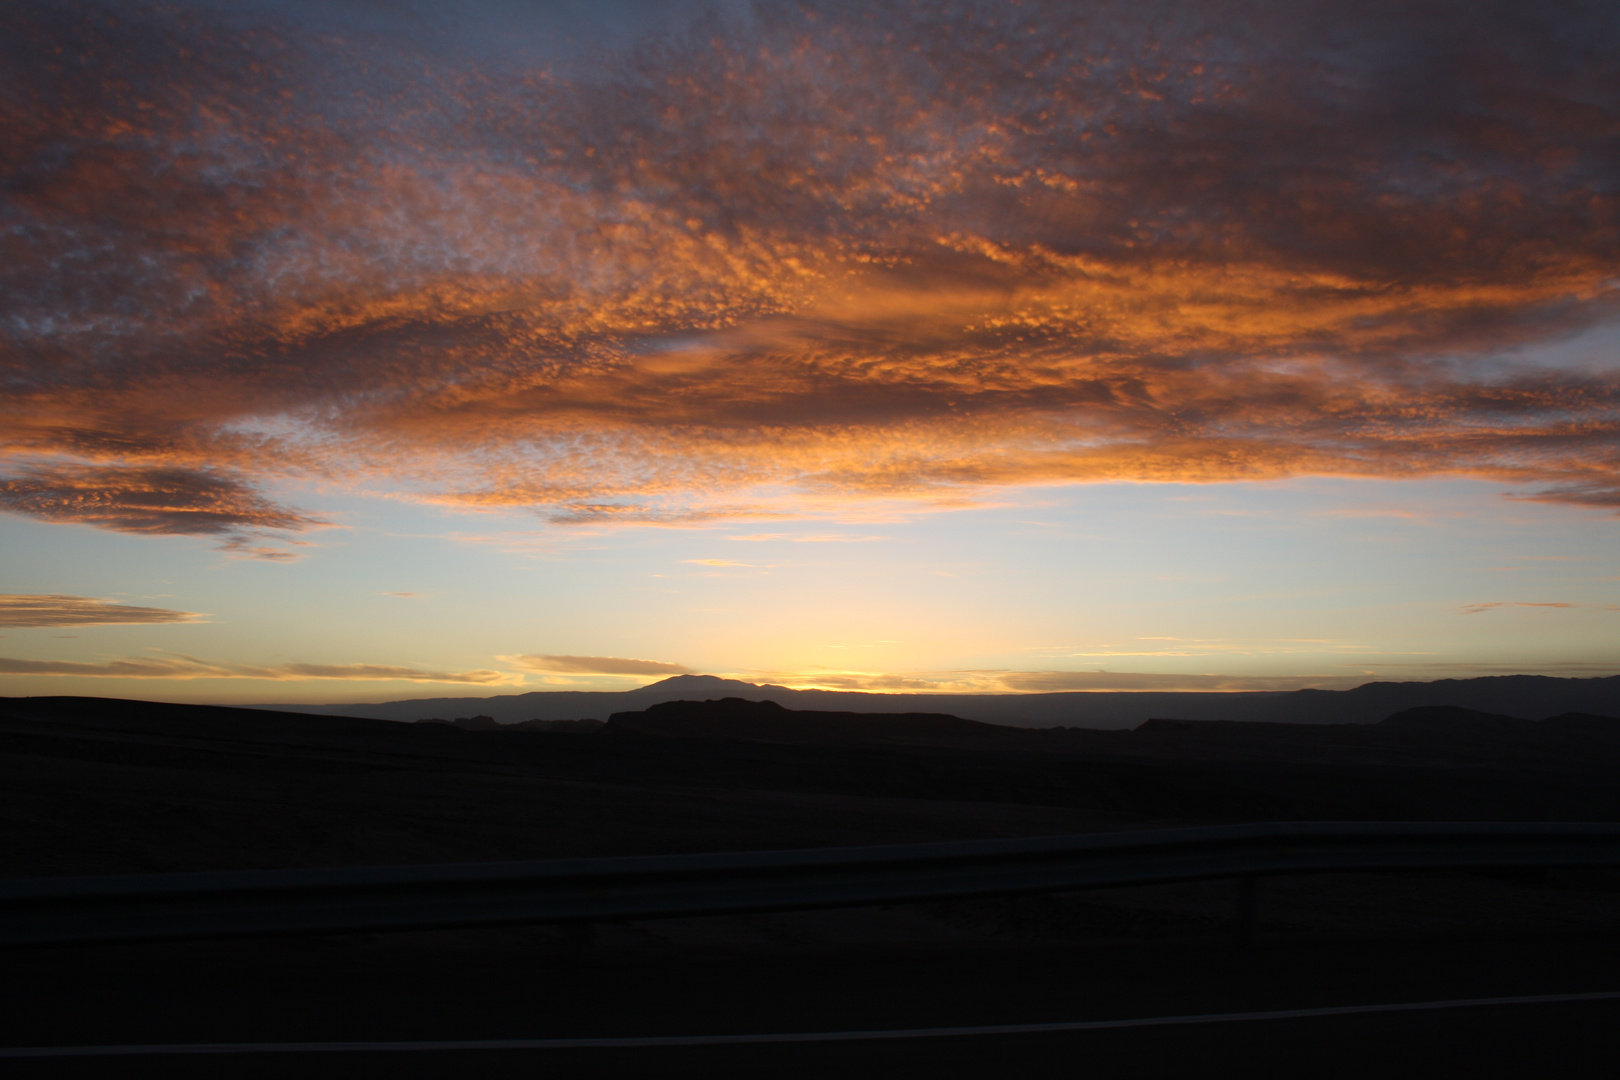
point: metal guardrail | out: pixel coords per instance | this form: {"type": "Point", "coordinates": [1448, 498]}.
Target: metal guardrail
{"type": "Point", "coordinates": [46, 911]}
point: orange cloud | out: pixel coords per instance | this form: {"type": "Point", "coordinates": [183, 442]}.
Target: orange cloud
{"type": "Point", "coordinates": [1047, 682]}
{"type": "Point", "coordinates": [803, 261]}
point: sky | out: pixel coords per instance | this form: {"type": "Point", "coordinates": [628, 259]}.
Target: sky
{"type": "Point", "coordinates": [376, 349]}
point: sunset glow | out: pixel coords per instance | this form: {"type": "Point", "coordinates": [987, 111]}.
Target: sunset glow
{"type": "Point", "coordinates": [359, 351]}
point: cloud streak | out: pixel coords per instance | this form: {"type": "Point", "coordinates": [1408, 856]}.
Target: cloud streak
{"type": "Point", "coordinates": [173, 666]}
{"type": "Point", "coordinates": [25, 610]}
{"type": "Point", "coordinates": [821, 255]}
{"type": "Point", "coordinates": [154, 500]}
{"type": "Point", "coordinates": [596, 665]}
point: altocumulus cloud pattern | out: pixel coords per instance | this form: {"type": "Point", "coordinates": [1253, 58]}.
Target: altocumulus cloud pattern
{"type": "Point", "coordinates": [794, 256]}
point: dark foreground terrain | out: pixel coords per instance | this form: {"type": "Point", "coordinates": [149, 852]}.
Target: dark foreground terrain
{"type": "Point", "coordinates": [90, 786]}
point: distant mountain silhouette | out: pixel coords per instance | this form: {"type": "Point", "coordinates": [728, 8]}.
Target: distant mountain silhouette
{"type": "Point", "coordinates": [1527, 697]}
